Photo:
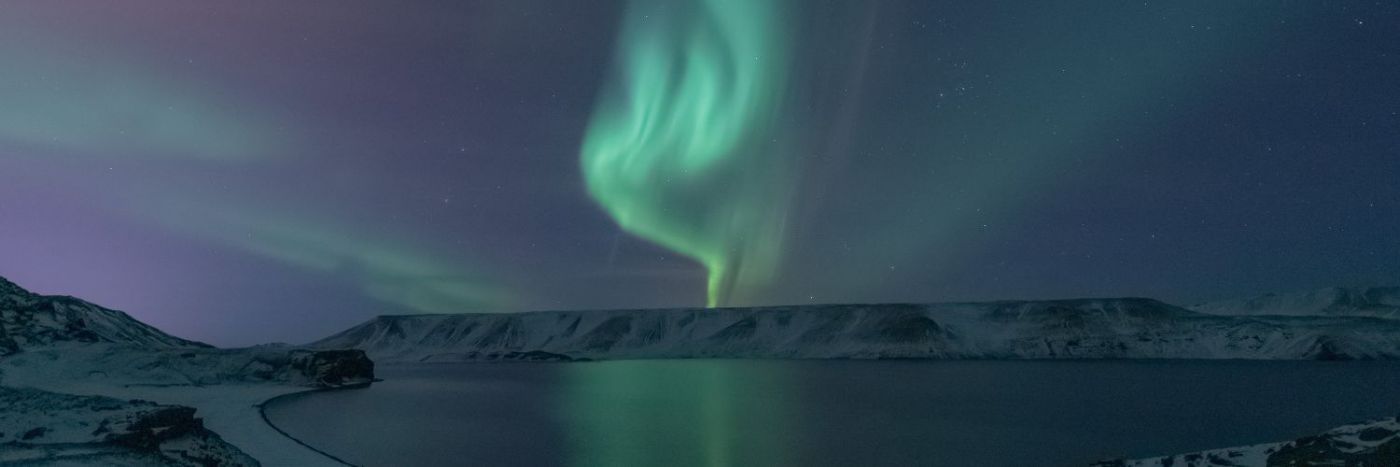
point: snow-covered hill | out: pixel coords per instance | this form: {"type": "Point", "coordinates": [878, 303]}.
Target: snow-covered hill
{"type": "Point", "coordinates": [64, 338]}
{"type": "Point", "coordinates": [30, 320]}
{"type": "Point", "coordinates": [1380, 302]}
{"type": "Point", "coordinates": [1088, 328]}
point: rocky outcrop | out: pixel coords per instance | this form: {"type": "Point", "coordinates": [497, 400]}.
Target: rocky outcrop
{"type": "Point", "coordinates": [59, 429]}
{"type": "Point", "coordinates": [334, 368]}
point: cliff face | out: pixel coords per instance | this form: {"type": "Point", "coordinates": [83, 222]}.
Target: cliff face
{"type": "Point", "coordinates": [61, 429]}
{"type": "Point", "coordinates": [1090, 328]}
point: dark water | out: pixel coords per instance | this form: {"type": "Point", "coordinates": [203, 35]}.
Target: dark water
{"type": "Point", "coordinates": [830, 413]}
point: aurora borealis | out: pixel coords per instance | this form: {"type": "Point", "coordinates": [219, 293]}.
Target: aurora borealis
{"type": "Point", "coordinates": [684, 154]}
{"type": "Point", "coordinates": [238, 173]}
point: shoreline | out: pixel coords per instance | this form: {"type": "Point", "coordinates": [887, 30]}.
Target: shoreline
{"type": "Point", "coordinates": [233, 412]}
{"type": "Point", "coordinates": [262, 413]}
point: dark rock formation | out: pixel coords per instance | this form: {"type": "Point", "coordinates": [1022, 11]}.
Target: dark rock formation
{"type": "Point", "coordinates": [334, 368]}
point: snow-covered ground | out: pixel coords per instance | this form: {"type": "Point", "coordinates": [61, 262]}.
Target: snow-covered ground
{"type": "Point", "coordinates": [68, 367]}
{"type": "Point", "coordinates": [51, 428]}
{"type": "Point", "coordinates": [233, 411]}
{"type": "Point", "coordinates": [229, 407]}
{"type": "Point", "coordinates": [1370, 444]}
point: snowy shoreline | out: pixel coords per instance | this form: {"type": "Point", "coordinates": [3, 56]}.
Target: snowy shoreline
{"type": "Point", "coordinates": [262, 411]}
{"type": "Point", "coordinates": [227, 388]}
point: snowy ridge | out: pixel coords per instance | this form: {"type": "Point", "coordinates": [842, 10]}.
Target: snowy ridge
{"type": "Point", "coordinates": [1087, 328]}
{"type": "Point", "coordinates": [1380, 302]}
{"type": "Point", "coordinates": [1375, 443]}
{"type": "Point", "coordinates": [30, 320]}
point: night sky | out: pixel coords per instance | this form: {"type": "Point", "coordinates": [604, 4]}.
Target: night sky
{"type": "Point", "coordinates": [247, 172]}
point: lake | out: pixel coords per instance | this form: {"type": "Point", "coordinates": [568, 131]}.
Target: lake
{"type": "Point", "coordinates": [829, 413]}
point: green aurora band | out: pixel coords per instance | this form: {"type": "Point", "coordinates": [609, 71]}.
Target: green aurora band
{"type": "Point", "coordinates": [393, 271]}
{"type": "Point", "coordinates": [683, 151]}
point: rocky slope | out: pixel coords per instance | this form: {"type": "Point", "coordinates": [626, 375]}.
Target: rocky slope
{"type": "Point", "coordinates": [47, 428]}
{"type": "Point", "coordinates": [1379, 302]}
{"type": "Point", "coordinates": [1090, 328]}
{"type": "Point", "coordinates": [1375, 443]}
{"type": "Point", "coordinates": [29, 320]}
